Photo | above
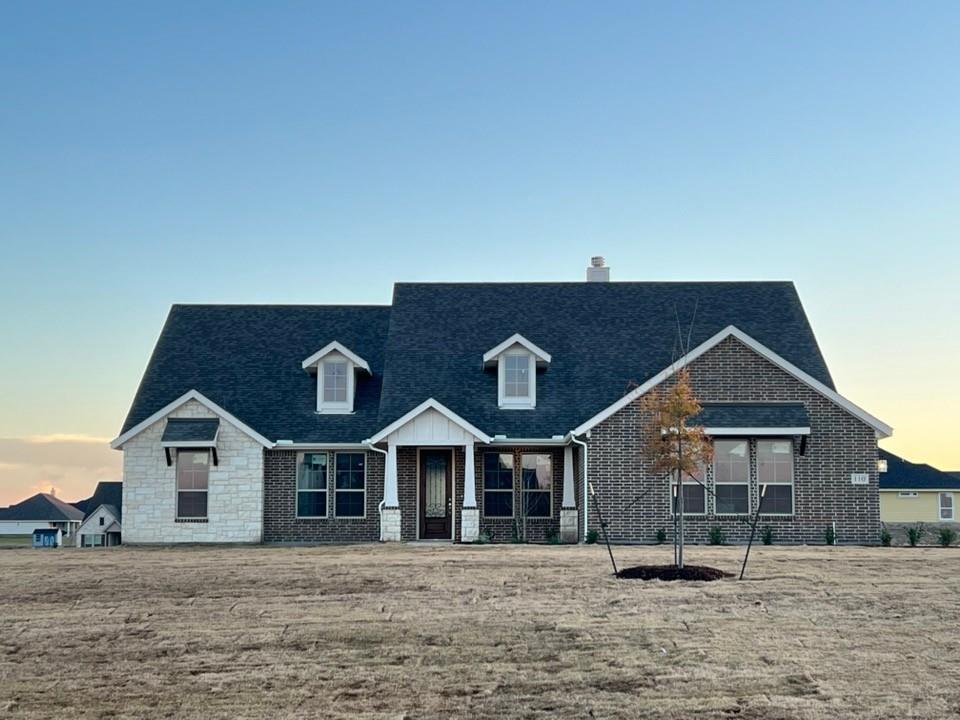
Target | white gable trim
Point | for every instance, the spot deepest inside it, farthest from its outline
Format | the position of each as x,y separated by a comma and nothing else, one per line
516,339
882,429
357,361
429,404
120,441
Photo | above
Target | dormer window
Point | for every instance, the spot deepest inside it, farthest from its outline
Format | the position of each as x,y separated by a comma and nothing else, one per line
516,359
336,367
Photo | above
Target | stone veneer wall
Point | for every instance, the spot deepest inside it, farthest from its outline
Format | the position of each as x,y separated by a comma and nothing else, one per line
234,502
280,521
839,444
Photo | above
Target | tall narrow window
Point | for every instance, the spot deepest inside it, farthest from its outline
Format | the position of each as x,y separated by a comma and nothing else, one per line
498,485
312,485
731,472
349,486
193,474
946,506
694,494
516,376
335,381
775,470
537,484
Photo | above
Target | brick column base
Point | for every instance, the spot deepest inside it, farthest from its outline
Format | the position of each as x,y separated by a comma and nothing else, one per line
569,525
390,525
469,524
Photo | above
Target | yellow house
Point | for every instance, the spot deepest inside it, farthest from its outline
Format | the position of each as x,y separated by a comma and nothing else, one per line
915,492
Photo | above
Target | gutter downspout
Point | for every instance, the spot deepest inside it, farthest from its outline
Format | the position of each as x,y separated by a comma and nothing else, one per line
585,494
367,444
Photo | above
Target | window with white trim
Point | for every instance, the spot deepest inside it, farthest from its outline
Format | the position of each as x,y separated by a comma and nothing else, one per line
517,380
908,494
497,485
312,485
193,475
694,494
536,473
731,475
775,470
349,493
334,388
946,506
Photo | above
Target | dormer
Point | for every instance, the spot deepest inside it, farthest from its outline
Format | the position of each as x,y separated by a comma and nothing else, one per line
516,360
336,367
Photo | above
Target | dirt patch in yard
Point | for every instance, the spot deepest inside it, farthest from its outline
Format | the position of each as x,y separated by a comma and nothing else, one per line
387,631
672,572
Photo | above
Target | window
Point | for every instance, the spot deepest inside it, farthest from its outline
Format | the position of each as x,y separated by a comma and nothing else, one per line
516,376
908,494
536,472
775,470
101,521
881,465
946,506
335,382
193,474
349,485
694,495
731,469
498,485
312,485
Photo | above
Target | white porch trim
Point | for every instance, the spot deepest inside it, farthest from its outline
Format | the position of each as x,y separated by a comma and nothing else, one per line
429,404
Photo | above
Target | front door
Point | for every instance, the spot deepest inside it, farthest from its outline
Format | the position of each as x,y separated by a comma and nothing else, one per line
436,495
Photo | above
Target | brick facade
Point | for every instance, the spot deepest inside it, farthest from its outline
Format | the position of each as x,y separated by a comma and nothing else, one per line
280,521
839,444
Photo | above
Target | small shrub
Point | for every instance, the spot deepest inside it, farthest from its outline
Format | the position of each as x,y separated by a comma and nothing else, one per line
485,537
914,534
661,536
592,537
553,536
947,536
830,535
886,539
717,536
766,536
515,536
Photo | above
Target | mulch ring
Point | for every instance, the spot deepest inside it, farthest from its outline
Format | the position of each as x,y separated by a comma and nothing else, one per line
672,572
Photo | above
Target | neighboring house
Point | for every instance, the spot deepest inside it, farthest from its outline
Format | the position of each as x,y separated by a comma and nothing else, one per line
47,537
916,492
102,516
469,408
43,510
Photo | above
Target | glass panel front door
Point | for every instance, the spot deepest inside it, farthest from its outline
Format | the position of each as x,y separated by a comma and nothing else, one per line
436,494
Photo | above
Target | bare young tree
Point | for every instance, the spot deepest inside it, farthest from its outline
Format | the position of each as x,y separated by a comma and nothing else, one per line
670,445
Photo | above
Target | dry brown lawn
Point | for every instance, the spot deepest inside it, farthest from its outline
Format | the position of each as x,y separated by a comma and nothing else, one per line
427,631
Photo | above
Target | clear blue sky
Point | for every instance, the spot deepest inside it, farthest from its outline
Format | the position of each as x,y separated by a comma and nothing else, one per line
316,152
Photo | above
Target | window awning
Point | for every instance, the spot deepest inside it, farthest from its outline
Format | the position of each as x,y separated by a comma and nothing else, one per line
753,419
190,433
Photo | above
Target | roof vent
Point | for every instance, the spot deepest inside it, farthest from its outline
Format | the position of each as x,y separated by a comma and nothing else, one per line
598,270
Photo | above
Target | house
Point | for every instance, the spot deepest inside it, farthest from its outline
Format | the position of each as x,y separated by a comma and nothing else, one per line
103,515
463,409
42,510
51,537
916,492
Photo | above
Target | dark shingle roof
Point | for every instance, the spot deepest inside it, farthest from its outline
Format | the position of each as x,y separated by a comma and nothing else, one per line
190,430
247,359
602,337
904,475
429,343
752,415
44,507
106,493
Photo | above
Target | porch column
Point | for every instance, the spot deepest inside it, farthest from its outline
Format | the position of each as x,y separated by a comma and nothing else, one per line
569,529
469,514
390,512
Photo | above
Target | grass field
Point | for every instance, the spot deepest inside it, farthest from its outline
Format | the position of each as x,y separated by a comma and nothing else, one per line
15,540
426,631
